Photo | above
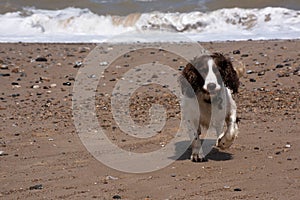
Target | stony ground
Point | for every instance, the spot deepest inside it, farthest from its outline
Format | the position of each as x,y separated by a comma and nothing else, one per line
42,156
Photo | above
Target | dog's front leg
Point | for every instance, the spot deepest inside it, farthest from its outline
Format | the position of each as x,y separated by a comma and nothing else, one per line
196,146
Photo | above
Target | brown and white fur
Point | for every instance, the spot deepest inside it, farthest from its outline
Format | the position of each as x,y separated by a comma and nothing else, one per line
211,79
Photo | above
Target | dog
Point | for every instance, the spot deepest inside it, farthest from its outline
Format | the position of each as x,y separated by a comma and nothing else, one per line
211,80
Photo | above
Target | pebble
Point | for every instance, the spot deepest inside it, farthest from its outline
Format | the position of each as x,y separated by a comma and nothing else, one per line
117,197
103,63
15,70
52,85
14,83
84,49
261,73
35,86
92,76
2,153
279,66
41,59
249,71
4,74
237,189
36,187
43,78
236,52
288,146
15,95
180,68
67,84
244,55
78,64
3,67
252,80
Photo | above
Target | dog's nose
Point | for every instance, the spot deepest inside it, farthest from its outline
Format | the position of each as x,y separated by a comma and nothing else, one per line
211,86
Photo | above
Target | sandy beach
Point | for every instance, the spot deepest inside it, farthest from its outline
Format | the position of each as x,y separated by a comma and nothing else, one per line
42,156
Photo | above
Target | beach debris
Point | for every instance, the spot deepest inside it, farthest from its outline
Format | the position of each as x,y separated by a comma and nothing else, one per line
41,59
236,52
36,187
111,178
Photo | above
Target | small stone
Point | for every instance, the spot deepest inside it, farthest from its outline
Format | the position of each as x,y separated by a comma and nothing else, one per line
67,84
237,189
180,68
43,78
2,153
113,79
35,86
103,63
92,76
52,85
15,95
261,73
36,187
236,52
117,197
78,64
3,67
41,59
256,148
244,55
279,66
4,75
14,83
252,80
173,175
249,71
287,146
15,70
226,187
84,49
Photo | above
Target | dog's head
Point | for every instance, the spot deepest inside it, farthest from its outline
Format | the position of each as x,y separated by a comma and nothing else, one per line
208,74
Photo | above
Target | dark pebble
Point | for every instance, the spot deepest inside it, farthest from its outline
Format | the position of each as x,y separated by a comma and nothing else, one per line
41,59
180,68
15,95
237,189
236,52
261,73
256,148
14,83
117,197
126,56
278,152
67,84
279,66
252,80
4,74
113,79
36,187
244,55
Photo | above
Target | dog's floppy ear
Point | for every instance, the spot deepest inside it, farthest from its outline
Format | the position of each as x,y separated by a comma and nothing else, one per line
190,80
229,75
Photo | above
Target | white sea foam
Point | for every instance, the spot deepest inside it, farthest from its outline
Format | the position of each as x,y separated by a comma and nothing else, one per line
81,25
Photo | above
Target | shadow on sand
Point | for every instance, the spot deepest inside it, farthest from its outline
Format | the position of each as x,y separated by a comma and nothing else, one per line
213,153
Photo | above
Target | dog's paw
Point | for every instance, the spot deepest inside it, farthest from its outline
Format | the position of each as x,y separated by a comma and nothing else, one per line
197,158
224,143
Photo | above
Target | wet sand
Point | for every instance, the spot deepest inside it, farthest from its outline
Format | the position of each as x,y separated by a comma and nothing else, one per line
42,157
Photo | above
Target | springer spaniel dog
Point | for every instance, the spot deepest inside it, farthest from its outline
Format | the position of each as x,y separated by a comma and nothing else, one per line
211,79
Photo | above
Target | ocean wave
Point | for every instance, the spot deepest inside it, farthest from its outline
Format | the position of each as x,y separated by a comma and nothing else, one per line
82,25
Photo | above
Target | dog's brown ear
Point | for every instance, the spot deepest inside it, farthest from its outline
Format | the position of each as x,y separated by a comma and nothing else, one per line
229,75
190,80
